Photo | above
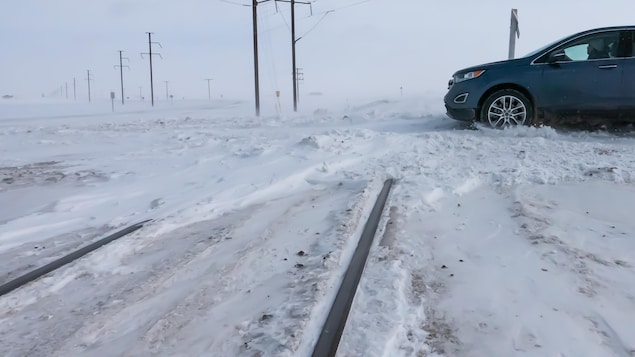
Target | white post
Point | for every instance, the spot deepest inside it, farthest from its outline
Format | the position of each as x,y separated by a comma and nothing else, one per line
514,32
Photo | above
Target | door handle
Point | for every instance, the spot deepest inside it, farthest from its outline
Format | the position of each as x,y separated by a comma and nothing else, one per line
607,66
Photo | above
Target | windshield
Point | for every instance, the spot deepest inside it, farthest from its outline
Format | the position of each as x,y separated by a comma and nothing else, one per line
544,47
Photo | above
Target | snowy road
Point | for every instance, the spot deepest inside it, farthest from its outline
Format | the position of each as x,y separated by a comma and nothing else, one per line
493,243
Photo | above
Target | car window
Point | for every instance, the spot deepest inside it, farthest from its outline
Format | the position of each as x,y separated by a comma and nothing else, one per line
577,52
593,47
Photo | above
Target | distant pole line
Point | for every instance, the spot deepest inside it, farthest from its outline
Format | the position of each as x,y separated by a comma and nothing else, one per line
167,97
150,55
88,79
209,91
121,66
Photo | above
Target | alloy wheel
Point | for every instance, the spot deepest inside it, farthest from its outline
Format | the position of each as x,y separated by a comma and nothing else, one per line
506,111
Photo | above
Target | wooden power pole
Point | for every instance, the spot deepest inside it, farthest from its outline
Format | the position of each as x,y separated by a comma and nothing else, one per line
255,24
150,54
294,40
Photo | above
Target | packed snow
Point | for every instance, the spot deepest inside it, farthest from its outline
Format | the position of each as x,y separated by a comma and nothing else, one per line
516,242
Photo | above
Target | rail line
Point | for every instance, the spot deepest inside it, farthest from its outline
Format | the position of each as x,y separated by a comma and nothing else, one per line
334,326
56,264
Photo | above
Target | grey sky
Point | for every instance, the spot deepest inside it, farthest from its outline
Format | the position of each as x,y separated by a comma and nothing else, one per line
371,49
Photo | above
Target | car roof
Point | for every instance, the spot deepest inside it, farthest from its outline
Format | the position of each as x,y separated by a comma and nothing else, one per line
610,28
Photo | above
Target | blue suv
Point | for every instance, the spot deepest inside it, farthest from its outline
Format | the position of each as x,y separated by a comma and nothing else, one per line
588,76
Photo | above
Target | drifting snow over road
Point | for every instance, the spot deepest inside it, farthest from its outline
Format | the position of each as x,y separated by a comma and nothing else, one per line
493,243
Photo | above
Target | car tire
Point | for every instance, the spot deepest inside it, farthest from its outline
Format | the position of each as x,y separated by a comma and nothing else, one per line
507,108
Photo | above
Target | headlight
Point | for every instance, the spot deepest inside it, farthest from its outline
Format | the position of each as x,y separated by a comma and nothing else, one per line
469,75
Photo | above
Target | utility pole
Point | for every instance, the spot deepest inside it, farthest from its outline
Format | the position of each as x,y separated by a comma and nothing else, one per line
150,55
514,32
74,90
254,11
88,79
255,25
140,93
293,42
167,97
209,91
295,72
121,66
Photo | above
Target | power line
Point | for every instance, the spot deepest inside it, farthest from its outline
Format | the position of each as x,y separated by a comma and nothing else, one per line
295,40
234,3
269,51
344,7
316,25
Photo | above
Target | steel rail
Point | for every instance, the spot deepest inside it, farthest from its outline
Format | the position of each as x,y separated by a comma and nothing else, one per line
334,326
39,272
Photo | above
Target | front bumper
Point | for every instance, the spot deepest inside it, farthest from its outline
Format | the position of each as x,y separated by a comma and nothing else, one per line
463,114
461,101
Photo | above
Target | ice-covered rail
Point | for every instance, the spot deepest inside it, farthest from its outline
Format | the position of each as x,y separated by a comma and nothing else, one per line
334,326
39,272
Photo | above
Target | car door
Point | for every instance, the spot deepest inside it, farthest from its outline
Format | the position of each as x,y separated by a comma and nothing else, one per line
583,78
628,77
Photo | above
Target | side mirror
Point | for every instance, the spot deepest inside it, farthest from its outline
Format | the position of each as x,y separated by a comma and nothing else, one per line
557,56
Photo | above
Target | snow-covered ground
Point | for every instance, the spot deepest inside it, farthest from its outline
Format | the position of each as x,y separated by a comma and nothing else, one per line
493,243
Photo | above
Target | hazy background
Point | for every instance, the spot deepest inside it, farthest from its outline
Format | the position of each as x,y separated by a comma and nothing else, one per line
362,49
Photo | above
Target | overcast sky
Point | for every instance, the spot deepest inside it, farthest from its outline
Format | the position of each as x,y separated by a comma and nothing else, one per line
369,49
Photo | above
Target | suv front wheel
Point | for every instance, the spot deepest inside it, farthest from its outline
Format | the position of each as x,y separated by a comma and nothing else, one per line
505,108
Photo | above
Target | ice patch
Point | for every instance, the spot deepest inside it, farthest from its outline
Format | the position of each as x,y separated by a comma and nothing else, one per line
467,186
61,283
432,197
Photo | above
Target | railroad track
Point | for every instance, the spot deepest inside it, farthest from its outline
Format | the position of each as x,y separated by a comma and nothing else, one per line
334,326
58,263
332,329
